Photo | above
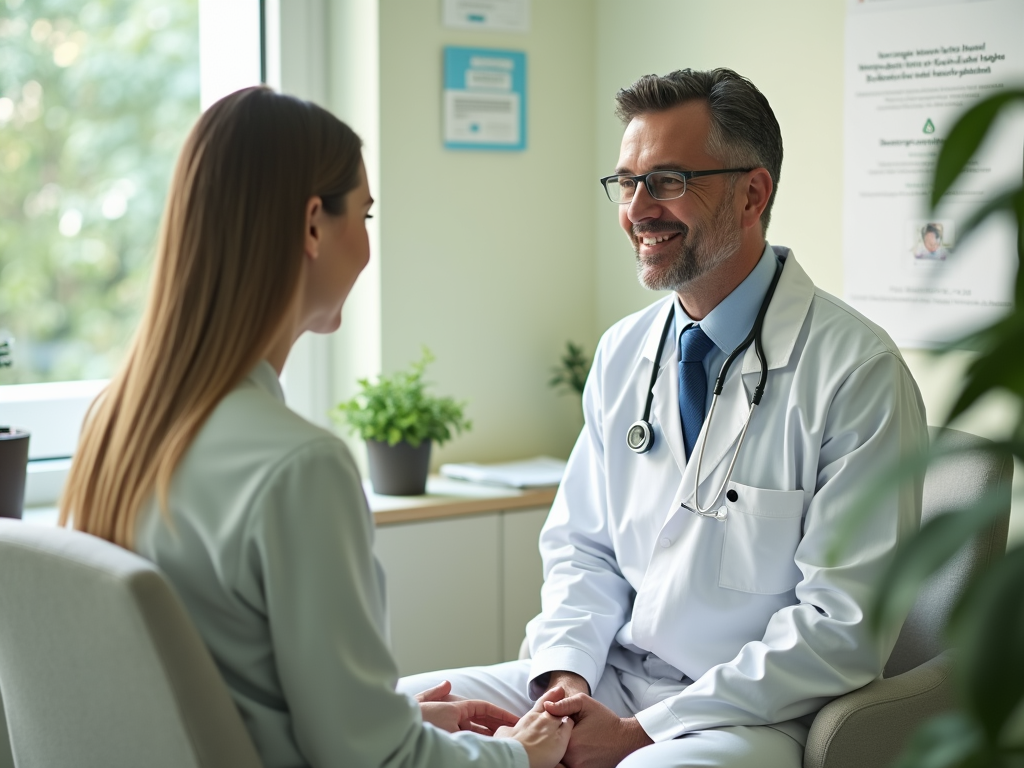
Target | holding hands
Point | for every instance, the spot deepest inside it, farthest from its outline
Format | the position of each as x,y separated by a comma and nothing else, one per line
544,736
454,713
601,738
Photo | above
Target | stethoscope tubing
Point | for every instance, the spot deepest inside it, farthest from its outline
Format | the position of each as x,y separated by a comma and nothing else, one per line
754,337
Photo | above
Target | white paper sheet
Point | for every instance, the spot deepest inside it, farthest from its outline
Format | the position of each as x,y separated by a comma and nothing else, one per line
532,473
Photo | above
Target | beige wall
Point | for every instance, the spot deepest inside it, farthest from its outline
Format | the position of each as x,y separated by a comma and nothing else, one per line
793,51
487,257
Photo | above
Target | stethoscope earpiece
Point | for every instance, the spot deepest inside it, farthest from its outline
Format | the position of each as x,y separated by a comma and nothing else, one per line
640,436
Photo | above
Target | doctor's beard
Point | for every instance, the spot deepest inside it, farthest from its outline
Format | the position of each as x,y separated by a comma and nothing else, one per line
700,250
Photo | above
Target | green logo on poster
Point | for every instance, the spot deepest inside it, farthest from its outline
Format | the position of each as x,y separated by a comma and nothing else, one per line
929,126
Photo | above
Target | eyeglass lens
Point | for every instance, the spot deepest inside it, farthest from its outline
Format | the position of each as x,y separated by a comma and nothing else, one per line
661,185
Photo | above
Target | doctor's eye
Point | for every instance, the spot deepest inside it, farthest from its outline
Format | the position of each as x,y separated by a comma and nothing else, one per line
667,183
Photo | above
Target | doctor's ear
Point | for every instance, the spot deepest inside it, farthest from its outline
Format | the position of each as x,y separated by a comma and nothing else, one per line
755,191
314,213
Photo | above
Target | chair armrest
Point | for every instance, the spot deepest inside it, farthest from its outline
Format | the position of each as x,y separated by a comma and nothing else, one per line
871,726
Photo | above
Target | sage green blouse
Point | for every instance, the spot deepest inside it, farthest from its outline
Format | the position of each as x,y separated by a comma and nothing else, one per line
269,543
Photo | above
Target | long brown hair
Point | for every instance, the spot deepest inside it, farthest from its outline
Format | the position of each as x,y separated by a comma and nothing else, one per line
224,280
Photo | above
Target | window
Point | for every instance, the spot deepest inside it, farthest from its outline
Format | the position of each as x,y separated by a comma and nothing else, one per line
96,99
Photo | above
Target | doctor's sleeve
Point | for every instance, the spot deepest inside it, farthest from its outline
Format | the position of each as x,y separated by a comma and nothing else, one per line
822,646
310,545
585,599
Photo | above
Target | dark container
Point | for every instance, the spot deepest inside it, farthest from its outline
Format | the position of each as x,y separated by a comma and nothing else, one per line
13,468
400,469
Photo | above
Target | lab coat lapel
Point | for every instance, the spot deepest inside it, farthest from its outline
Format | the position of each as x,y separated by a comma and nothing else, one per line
665,410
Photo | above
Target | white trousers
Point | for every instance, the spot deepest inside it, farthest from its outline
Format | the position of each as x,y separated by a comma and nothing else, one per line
626,692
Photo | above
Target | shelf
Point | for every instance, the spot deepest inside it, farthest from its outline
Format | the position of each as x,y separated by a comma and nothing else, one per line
444,498
451,498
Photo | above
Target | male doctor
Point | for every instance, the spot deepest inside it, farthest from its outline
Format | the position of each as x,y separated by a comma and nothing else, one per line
690,611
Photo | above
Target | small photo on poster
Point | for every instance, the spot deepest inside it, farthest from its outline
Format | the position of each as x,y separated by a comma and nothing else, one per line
931,240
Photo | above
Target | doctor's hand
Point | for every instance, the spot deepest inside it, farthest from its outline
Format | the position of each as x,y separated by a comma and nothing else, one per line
545,737
569,682
601,738
454,713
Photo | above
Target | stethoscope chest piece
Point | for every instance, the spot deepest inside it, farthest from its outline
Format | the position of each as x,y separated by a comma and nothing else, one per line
640,436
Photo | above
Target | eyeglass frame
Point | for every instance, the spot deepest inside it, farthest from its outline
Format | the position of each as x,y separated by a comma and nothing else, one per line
642,179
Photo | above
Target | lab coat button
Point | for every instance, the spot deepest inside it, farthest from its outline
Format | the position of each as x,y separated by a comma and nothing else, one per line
666,542
732,495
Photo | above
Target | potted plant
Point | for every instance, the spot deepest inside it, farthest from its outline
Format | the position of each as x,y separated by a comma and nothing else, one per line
13,453
570,375
400,422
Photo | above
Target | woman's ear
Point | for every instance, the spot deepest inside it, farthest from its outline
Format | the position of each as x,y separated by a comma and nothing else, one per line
314,212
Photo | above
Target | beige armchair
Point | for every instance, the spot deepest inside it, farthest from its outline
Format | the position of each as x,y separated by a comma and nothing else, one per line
100,667
870,726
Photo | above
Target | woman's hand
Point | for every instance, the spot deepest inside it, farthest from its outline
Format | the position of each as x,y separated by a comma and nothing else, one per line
544,736
454,713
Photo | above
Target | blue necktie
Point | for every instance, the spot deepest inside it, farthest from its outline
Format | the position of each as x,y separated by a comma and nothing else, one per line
694,345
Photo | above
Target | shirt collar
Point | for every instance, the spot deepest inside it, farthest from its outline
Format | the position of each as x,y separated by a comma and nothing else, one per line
265,377
728,324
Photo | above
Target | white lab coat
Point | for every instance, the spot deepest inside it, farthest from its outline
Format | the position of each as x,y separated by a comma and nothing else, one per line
747,607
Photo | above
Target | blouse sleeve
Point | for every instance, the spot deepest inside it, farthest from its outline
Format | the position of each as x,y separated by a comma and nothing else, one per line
311,541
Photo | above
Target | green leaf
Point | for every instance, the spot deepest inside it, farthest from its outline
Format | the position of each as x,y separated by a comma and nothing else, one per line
987,628
938,540
1000,366
965,138
948,741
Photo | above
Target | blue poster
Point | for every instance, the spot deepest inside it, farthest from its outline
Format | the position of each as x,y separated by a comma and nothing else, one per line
484,99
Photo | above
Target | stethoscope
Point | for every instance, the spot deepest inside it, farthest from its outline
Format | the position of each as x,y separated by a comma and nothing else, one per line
640,436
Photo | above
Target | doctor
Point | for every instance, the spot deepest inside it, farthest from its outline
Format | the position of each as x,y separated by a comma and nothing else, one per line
688,605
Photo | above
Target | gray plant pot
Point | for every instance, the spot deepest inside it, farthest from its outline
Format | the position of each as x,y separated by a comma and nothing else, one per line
400,469
13,468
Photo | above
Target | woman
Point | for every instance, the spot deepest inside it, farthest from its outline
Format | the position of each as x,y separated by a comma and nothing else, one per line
257,517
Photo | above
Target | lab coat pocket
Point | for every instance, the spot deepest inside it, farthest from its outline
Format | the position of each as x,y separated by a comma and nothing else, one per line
762,530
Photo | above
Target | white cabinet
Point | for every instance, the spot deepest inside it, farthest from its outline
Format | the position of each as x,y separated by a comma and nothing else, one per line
461,589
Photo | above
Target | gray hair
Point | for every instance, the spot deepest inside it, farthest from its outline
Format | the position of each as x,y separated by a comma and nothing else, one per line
744,132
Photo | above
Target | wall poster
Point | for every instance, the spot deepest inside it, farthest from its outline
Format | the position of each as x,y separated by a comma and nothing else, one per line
484,99
911,67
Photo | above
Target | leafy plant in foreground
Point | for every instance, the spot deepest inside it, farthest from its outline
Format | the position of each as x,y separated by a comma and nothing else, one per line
987,626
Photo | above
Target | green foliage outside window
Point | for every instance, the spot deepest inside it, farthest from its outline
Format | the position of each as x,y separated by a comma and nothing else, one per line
95,101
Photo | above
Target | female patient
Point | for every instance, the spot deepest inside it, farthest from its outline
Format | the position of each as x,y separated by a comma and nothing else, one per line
258,518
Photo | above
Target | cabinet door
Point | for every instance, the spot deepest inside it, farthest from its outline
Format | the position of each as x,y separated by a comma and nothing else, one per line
443,588
522,575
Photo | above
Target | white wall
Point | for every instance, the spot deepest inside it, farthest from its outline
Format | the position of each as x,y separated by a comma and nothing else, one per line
487,257
793,51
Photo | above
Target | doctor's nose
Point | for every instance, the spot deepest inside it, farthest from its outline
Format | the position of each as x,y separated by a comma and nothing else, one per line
642,206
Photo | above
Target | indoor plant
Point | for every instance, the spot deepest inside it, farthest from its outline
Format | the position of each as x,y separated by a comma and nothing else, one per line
399,422
987,627
13,454
570,375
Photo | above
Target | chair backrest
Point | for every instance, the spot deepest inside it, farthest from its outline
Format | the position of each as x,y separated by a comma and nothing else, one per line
99,663
952,483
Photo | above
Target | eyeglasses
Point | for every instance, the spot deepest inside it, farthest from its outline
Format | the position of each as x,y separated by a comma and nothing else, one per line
661,185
